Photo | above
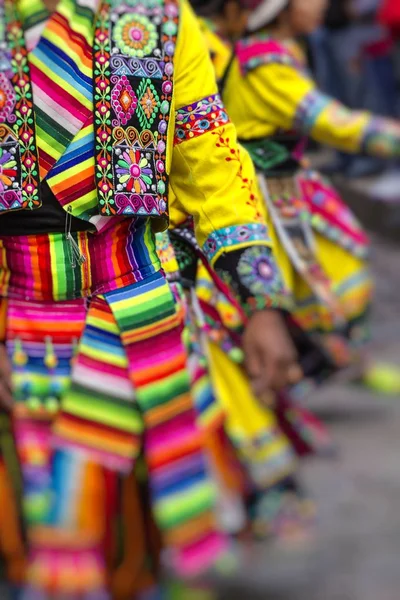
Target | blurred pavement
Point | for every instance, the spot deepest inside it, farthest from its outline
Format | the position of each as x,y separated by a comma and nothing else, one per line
357,552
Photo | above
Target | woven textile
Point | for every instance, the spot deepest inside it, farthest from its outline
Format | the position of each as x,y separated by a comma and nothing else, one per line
132,339
61,72
42,267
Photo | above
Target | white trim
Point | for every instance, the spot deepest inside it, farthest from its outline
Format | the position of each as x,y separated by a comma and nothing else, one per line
265,12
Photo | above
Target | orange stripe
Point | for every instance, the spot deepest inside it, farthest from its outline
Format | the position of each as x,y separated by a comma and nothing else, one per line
150,374
166,454
163,413
75,41
150,331
103,441
24,324
188,531
79,177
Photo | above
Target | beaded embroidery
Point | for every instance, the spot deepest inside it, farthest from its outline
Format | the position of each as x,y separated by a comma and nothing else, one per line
234,238
19,183
203,116
133,69
309,109
259,50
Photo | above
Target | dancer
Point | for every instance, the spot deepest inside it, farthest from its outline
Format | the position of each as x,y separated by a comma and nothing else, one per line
271,97
92,92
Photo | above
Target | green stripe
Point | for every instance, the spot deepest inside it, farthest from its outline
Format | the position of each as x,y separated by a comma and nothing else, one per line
150,243
159,393
181,507
82,404
51,132
75,277
152,311
59,255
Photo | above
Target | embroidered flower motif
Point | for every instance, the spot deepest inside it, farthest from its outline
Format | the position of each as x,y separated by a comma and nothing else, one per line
258,272
148,102
134,171
8,169
124,100
135,35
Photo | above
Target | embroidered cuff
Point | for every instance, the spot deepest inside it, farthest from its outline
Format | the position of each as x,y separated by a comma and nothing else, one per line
309,110
381,138
253,276
235,237
200,117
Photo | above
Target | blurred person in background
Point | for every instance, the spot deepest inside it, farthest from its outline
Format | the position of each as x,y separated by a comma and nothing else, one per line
353,62
92,364
276,106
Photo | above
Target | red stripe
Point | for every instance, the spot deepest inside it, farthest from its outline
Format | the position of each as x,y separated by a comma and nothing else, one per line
43,250
58,94
70,34
73,193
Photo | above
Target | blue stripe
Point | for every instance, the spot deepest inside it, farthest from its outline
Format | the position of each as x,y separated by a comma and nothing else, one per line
179,483
71,160
66,63
59,69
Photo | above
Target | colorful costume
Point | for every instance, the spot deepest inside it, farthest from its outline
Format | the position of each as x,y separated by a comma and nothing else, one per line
104,104
320,247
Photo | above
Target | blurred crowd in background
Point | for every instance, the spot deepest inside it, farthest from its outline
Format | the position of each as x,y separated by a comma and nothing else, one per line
355,57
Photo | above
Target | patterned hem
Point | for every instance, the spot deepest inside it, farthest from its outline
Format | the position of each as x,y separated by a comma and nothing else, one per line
251,272
231,238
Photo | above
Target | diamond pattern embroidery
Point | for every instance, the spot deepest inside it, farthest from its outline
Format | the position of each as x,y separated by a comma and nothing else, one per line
124,100
149,103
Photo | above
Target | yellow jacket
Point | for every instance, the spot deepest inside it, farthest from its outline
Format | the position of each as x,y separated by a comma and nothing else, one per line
268,88
213,179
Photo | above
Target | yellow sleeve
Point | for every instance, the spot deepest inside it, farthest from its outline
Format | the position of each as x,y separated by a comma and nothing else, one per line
211,177
291,100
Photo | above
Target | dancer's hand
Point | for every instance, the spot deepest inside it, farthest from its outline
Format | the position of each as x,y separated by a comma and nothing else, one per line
270,356
6,399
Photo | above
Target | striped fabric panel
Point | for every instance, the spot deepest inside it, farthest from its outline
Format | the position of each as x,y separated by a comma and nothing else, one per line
41,340
33,15
183,496
62,492
72,178
99,411
61,72
39,267
144,317
210,415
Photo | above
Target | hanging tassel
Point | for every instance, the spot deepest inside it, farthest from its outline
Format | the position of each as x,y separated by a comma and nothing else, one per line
19,358
50,358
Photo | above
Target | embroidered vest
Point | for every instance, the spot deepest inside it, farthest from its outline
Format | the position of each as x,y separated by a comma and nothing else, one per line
133,50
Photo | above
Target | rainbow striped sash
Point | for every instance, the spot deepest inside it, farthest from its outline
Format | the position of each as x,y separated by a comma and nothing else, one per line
62,79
